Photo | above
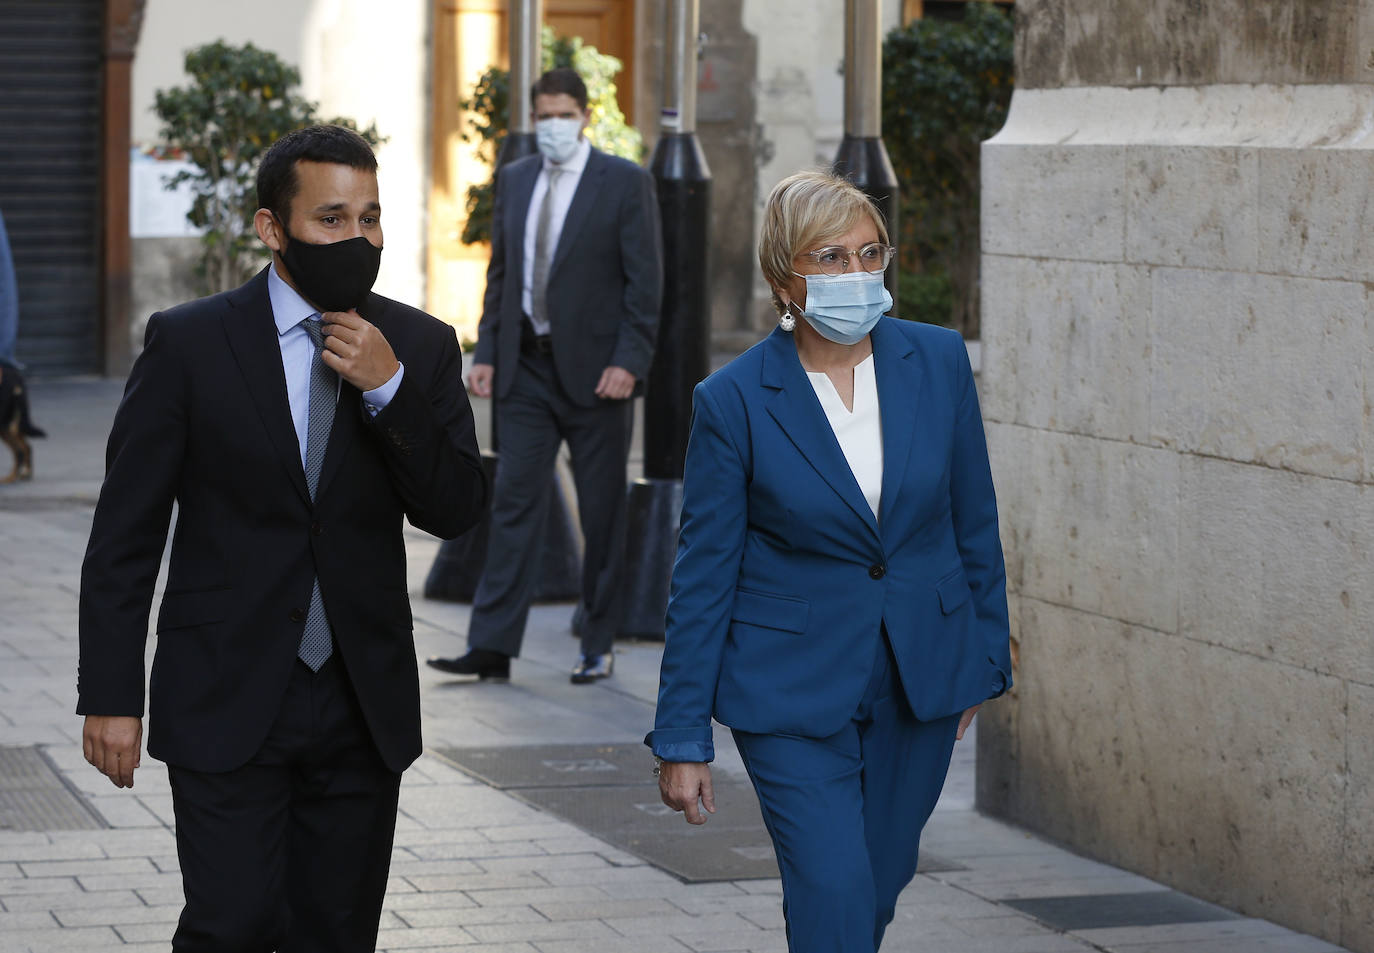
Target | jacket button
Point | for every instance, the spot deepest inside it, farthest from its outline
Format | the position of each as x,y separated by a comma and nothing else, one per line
296,615
316,529
877,571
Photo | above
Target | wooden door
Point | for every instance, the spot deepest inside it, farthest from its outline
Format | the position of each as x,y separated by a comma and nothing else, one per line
940,9
469,37
608,25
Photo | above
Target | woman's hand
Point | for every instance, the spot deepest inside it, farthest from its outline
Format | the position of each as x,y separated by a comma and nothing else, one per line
682,783
965,720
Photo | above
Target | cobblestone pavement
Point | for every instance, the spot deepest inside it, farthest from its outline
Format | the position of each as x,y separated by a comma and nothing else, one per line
475,867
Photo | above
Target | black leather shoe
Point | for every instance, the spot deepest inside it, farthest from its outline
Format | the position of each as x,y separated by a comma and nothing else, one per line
589,668
487,665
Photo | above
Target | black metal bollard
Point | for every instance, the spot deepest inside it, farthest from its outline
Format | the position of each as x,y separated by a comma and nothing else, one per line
681,360
862,157
864,161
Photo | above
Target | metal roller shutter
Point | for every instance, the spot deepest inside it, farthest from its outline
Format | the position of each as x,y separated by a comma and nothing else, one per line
50,142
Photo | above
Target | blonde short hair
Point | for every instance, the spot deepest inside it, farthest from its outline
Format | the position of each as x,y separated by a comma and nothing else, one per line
806,209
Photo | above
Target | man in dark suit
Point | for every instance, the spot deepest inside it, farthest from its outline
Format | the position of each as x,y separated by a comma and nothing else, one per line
567,334
295,421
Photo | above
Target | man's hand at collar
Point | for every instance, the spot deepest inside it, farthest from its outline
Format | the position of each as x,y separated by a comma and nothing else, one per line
357,351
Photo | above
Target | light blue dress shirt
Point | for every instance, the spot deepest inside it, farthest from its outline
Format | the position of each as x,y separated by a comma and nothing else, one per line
289,309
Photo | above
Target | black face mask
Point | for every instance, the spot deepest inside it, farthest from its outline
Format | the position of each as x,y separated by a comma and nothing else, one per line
333,277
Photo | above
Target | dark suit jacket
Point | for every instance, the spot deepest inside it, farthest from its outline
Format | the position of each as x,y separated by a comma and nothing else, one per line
205,423
605,280
784,577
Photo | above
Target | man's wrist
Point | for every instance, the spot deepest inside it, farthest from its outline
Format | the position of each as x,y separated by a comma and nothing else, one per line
376,399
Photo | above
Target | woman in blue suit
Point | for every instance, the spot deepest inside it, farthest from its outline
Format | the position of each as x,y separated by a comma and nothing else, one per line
839,596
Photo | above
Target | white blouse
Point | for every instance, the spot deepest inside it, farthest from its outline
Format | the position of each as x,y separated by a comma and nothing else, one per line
859,432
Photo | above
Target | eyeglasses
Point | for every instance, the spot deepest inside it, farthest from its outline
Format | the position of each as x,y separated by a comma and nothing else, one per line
834,259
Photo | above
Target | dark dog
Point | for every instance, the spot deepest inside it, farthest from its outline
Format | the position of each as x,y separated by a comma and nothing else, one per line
15,425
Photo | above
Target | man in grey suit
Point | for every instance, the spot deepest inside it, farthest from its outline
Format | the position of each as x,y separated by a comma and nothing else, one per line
568,327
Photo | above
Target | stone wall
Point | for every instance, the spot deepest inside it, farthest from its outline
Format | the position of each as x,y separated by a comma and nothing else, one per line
164,275
1190,42
1178,237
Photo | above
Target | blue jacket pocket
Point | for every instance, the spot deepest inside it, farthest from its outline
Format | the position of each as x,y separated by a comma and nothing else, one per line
953,591
773,612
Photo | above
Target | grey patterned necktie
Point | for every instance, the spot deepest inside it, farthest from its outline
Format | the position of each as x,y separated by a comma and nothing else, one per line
317,643
543,252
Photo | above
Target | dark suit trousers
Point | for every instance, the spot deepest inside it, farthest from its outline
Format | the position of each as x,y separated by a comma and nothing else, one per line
289,852
532,420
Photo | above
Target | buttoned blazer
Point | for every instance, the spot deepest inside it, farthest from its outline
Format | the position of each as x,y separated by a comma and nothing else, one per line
605,278
205,423
784,577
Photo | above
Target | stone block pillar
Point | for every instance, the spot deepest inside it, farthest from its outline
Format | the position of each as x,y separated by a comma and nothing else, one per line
1178,376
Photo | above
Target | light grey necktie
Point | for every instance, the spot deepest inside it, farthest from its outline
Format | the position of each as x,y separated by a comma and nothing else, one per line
317,643
543,252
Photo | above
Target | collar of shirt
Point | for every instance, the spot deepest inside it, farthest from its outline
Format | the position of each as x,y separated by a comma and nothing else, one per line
289,309
576,162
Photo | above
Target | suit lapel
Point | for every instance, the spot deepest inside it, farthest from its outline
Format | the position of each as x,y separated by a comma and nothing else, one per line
524,176
799,413
899,380
253,340
588,187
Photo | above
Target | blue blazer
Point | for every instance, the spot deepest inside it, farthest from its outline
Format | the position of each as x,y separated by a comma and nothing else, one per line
783,577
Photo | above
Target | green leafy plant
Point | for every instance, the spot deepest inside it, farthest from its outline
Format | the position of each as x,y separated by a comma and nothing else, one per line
926,296
946,87
488,108
240,100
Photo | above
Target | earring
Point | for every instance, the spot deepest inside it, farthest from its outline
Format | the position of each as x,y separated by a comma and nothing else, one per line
786,321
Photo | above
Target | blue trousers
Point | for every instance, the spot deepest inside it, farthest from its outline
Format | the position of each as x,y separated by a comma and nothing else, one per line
846,813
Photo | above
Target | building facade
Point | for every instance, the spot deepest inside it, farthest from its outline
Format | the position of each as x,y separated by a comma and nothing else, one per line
770,101
1177,361
64,100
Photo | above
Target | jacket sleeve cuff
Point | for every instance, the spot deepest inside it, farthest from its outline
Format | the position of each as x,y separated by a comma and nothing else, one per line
682,744
1001,684
633,357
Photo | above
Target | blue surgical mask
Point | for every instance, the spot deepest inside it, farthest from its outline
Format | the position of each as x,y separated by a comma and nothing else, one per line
843,308
557,137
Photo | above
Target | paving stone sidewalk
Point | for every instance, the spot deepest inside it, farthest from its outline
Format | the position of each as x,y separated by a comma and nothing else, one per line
476,868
